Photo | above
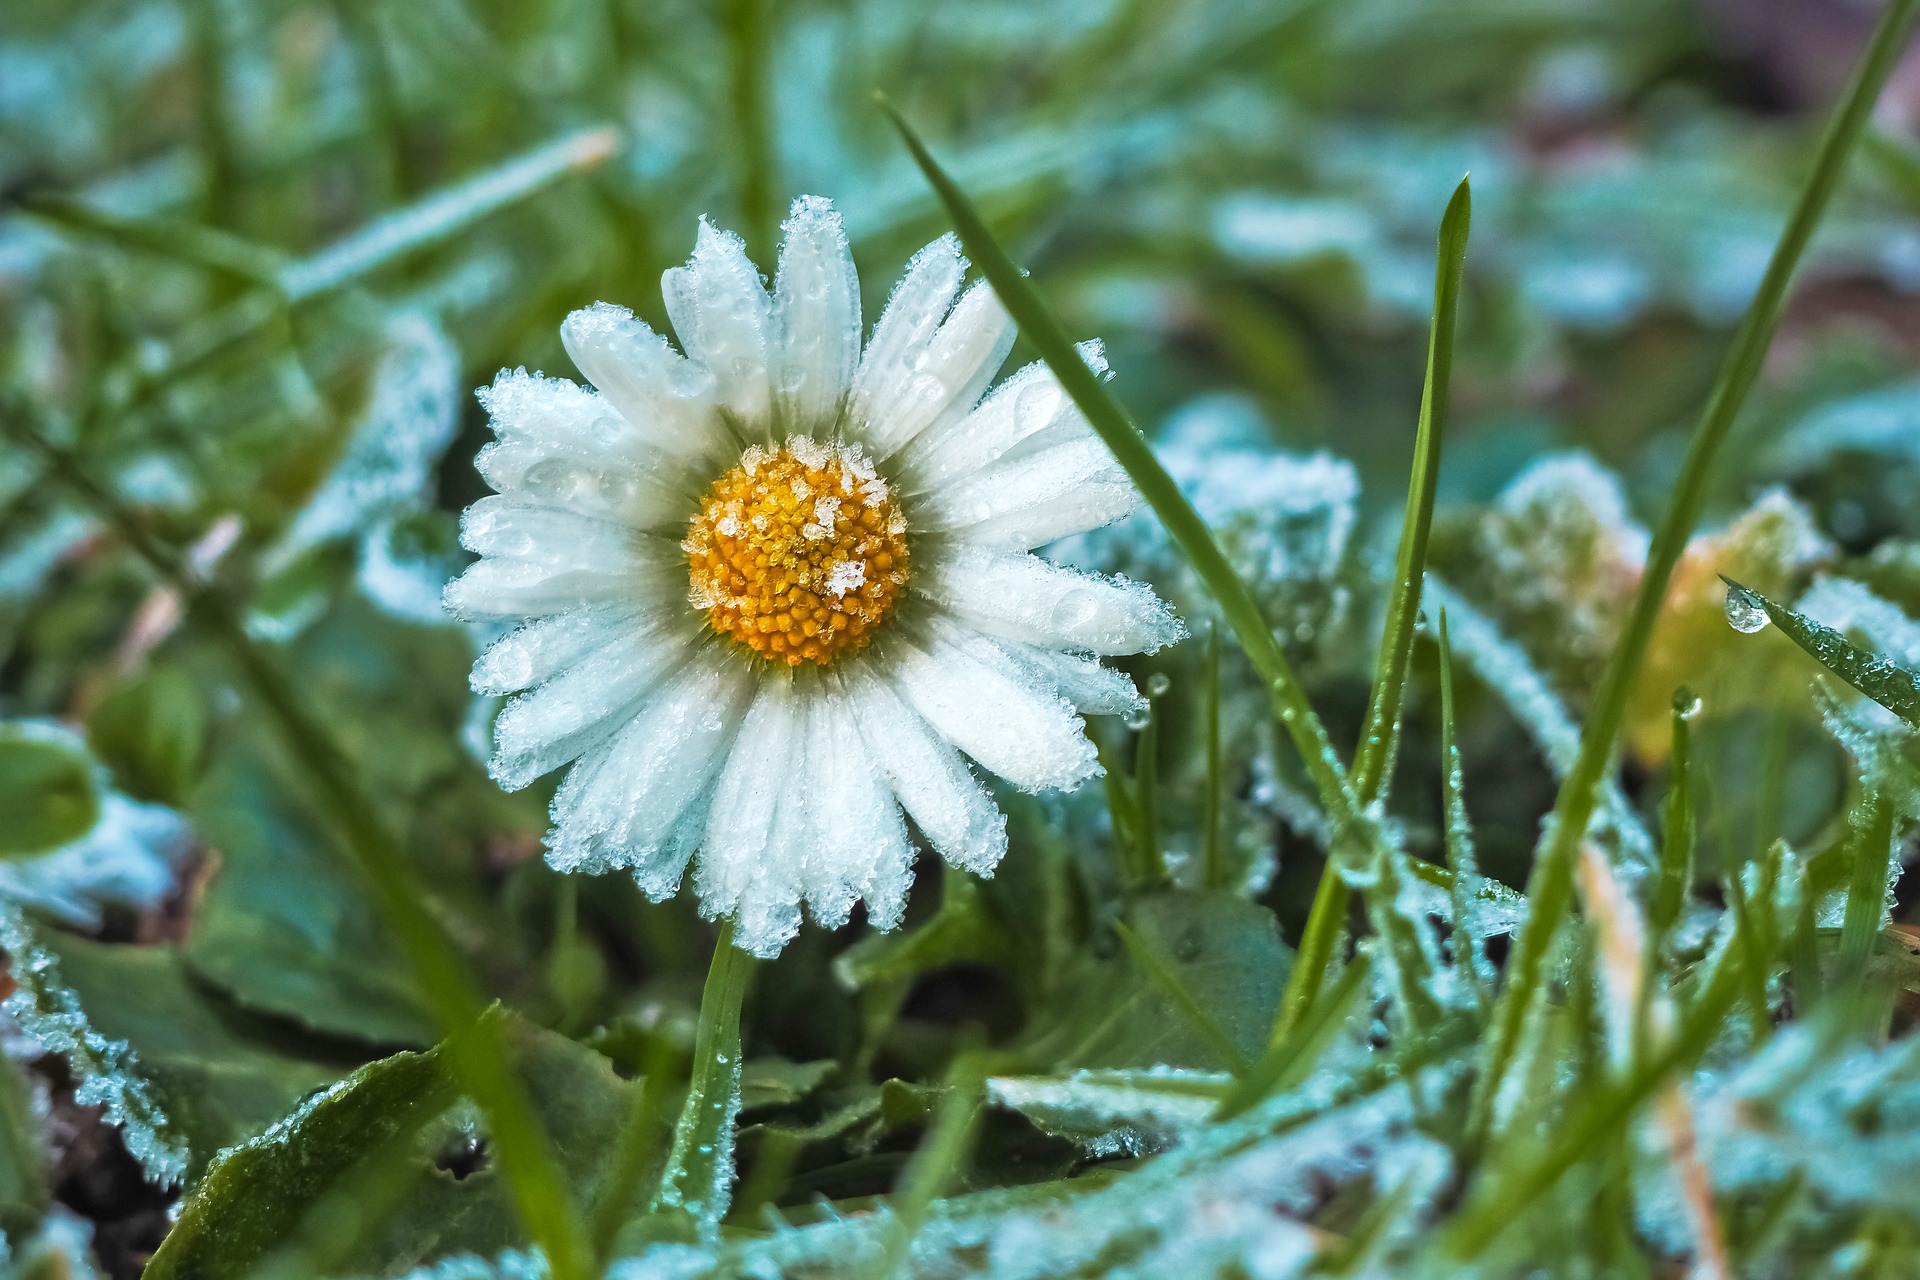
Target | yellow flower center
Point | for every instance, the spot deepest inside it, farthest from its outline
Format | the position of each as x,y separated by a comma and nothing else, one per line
799,552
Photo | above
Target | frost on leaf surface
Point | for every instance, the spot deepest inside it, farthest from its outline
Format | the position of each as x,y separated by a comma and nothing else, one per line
106,1071
1114,1112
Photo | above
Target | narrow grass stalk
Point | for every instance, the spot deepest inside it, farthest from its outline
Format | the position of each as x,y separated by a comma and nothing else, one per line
1550,886
476,1045
1161,975
1867,890
1374,759
746,29
1213,870
639,1139
188,242
1146,790
698,1178
1469,948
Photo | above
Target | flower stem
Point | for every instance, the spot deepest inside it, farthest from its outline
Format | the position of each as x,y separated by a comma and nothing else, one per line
698,1179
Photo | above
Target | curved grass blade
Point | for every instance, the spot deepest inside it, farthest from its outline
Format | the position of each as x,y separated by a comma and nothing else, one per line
1374,759
1879,677
1550,887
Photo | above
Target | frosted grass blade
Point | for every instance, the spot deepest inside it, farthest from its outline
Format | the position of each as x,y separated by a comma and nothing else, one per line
1374,760
698,1179
1550,887
1879,677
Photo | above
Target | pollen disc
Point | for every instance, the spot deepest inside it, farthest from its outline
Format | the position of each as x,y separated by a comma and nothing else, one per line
798,552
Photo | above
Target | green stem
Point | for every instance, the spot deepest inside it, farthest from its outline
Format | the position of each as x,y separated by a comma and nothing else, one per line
476,1046
1550,886
1146,788
1213,857
698,1179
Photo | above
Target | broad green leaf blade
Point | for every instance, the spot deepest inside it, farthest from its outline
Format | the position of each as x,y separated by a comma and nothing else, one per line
256,1195
1879,677
1289,1059
152,732
1161,974
47,792
1550,887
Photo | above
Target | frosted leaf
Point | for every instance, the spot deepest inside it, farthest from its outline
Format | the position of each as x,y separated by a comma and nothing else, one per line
512,1264
1114,1112
129,858
33,554
405,565
62,1246
1849,606
107,1072
395,443
1885,421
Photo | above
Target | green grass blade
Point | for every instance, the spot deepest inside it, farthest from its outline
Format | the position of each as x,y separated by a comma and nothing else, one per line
1867,890
698,1179
938,1158
1289,1061
1213,856
1470,950
1162,976
1146,790
1679,834
188,242
1375,756
476,1045
1550,886
1879,677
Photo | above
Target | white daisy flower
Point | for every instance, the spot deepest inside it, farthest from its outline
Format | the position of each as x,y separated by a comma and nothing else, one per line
779,589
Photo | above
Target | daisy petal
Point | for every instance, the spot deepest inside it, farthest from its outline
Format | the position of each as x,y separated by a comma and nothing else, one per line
1093,690
928,777
504,528
719,310
579,708
736,856
663,398
625,805
974,697
1035,499
540,650
859,841
1028,406
631,487
947,377
1022,597
909,323
515,589
816,318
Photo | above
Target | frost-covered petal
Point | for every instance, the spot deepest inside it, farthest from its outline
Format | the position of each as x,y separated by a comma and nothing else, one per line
1093,689
624,805
739,854
945,380
816,318
977,699
515,589
541,649
1032,500
1022,597
581,707
504,528
858,838
720,311
636,487
906,327
928,777
664,399
1027,410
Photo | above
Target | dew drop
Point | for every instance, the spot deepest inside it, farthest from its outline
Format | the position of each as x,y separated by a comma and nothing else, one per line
1157,684
1686,703
1744,611
1137,718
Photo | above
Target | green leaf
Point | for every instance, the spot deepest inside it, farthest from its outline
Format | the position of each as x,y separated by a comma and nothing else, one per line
47,792
219,1075
1874,674
1114,1112
152,732
1223,950
24,1192
256,1195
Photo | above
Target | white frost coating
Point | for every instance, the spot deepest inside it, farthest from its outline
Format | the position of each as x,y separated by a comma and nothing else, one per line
816,318
624,805
129,857
1849,606
1028,501
107,1072
511,1264
1022,597
1115,1112
656,392
1028,409
540,650
1017,728
580,708
740,872
409,420
948,377
928,777
1884,421
788,783
912,317
721,313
